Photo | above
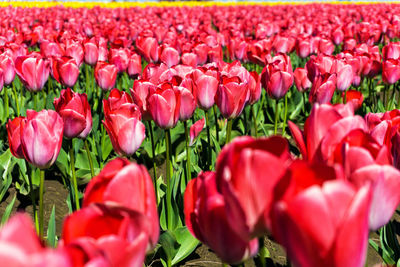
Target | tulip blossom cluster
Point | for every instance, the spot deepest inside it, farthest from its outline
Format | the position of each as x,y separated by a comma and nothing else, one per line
116,226
140,74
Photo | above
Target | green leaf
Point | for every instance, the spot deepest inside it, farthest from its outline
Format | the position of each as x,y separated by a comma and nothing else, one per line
106,147
51,229
8,210
169,245
187,243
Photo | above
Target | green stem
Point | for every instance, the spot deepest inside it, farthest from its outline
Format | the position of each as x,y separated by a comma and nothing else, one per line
285,116
74,183
254,121
188,171
89,158
6,102
168,180
41,189
35,100
276,116
208,140
16,98
33,198
216,121
153,158
88,81
228,131
304,103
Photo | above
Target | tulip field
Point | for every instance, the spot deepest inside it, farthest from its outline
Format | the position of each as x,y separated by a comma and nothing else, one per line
199,134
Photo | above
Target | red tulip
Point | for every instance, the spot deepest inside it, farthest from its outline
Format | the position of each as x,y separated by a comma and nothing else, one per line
207,219
304,48
195,130
301,80
135,65
232,95
246,181
140,92
106,75
33,71
120,233
337,36
75,111
324,129
65,71
128,185
205,86
277,76
51,49
164,106
122,122
355,97
91,52
148,47
309,199
41,137
7,65
14,136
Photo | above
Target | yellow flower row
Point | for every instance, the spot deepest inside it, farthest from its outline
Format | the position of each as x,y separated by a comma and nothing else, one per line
162,4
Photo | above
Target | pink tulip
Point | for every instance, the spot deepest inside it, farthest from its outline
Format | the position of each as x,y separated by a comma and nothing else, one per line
239,176
105,75
91,52
123,125
75,111
188,103
33,71
207,219
7,65
391,71
323,88
140,92
344,74
135,65
75,50
189,59
20,246
169,56
128,185
195,130
65,71
148,48
164,106
391,51
277,76
41,137
384,182
120,58
205,86
301,80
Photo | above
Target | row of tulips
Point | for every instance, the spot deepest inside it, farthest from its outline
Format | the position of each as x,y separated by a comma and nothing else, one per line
118,72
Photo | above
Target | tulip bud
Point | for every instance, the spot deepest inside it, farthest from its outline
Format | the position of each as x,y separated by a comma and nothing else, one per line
14,136
128,185
33,71
41,137
65,71
105,75
75,111
208,220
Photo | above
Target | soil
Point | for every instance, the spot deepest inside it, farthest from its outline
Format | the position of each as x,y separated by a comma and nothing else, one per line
56,194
